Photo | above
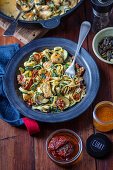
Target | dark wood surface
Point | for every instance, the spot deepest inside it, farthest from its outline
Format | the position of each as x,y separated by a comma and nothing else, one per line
19,151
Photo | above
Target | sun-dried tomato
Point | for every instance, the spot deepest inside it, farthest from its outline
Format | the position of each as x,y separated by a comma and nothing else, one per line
66,150
61,148
21,79
77,65
60,103
37,57
30,102
35,73
27,86
76,96
57,142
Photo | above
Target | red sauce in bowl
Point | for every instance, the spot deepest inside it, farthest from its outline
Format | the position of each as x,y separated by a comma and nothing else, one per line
64,147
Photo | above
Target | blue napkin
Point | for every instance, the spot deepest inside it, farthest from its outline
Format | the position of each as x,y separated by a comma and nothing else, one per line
7,112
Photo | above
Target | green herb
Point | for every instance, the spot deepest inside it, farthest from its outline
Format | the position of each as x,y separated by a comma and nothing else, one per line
38,93
52,6
56,109
49,109
66,8
58,94
29,68
54,15
52,9
45,59
52,66
37,67
36,17
7,2
43,76
67,65
63,83
31,1
51,99
31,58
42,2
54,74
35,85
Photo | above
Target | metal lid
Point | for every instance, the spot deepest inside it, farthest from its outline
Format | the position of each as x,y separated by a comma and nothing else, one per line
98,145
102,6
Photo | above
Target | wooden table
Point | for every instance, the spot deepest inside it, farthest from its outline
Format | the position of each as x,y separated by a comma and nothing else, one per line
19,151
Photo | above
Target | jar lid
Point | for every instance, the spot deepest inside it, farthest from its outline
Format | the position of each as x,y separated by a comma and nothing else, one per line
98,145
102,6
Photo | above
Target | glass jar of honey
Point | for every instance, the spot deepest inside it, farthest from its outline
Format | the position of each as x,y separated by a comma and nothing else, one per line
103,116
64,147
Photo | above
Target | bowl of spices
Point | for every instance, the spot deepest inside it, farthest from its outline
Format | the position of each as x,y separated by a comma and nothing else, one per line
64,147
103,45
103,116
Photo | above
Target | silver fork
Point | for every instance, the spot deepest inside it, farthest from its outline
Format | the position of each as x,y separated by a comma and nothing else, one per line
84,29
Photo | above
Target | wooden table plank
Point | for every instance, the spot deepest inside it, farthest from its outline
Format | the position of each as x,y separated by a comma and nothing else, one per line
105,93
25,32
16,154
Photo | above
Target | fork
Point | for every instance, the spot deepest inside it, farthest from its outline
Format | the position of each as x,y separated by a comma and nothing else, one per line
84,29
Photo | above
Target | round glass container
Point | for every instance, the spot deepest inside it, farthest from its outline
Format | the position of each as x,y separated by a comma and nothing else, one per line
103,116
101,14
73,137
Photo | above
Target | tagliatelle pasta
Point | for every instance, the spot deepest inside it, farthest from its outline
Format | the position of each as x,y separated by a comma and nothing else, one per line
44,85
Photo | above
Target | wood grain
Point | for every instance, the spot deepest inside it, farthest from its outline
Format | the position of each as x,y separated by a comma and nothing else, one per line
25,32
23,152
105,94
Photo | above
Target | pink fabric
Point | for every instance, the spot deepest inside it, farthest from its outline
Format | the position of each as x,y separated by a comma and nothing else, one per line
31,125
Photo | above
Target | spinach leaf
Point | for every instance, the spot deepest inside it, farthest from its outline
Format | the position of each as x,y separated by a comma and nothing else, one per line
43,76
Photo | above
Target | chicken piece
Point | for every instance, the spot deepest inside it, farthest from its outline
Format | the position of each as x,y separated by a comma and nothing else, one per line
73,3
44,11
21,79
47,90
36,1
37,57
56,58
47,65
57,2
26,97
29,16
42,70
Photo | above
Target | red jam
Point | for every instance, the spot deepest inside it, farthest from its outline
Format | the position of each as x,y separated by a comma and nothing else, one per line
63,147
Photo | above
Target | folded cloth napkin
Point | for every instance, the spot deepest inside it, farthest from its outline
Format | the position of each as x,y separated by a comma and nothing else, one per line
7,112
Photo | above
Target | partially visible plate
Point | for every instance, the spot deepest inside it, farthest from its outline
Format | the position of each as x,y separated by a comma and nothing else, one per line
91,77
49,23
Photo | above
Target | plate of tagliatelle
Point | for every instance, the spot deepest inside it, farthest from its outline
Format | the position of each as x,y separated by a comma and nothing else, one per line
35,83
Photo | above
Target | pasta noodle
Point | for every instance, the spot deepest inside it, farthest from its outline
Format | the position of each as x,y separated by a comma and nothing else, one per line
44,85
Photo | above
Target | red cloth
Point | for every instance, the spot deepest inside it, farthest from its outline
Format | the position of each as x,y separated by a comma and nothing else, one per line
31,125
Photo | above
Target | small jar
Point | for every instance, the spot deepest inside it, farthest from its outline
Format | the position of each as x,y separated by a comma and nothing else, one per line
60,148
101,14
103,116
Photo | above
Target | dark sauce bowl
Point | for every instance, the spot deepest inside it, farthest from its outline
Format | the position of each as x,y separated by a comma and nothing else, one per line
107,32
73,137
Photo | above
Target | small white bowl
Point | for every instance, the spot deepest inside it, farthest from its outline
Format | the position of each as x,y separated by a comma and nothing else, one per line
98,37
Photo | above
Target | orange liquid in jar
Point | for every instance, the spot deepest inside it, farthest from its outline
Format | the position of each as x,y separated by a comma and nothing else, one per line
103,119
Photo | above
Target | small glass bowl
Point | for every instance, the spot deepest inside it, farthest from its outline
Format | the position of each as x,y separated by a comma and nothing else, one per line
71,134
101,125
